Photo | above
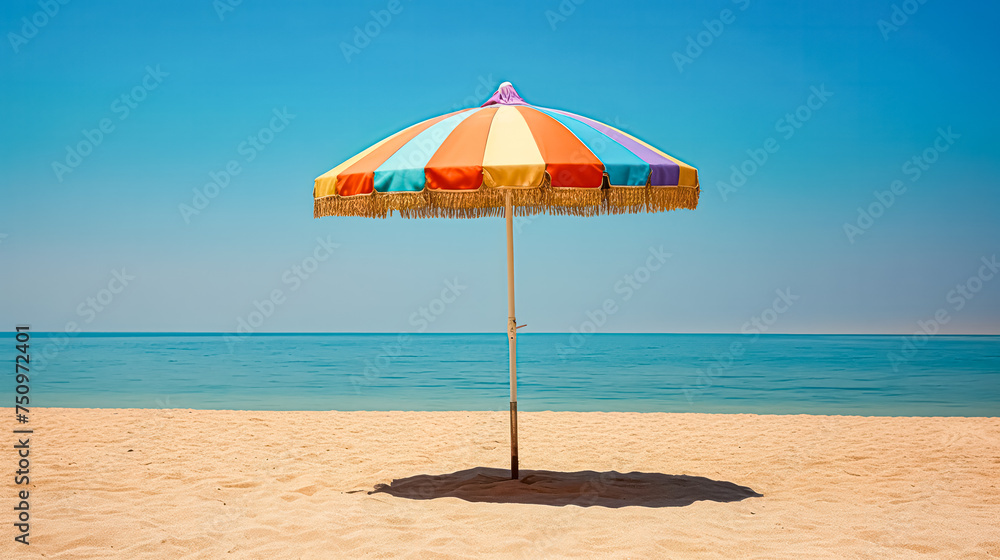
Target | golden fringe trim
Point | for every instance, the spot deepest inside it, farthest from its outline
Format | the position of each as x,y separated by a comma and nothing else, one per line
626,200
569,201
659,199
489,201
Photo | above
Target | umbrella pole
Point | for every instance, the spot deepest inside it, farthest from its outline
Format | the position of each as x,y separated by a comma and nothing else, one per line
511,334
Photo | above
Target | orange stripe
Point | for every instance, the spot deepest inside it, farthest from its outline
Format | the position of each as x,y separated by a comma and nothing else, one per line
360,177
458,162
568,162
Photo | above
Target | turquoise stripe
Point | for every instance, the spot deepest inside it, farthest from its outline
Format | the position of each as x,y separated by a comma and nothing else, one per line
622,166
404,170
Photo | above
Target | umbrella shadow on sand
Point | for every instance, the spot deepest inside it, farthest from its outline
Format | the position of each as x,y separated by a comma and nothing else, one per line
584,488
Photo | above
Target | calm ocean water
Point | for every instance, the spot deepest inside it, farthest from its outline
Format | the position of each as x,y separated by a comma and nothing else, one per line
868,375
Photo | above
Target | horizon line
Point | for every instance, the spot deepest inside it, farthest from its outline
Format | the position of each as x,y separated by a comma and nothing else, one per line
501,333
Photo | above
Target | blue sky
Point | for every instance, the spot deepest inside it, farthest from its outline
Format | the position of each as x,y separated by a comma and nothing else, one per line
104,244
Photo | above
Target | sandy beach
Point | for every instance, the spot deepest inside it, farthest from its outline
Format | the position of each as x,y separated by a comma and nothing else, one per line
128,483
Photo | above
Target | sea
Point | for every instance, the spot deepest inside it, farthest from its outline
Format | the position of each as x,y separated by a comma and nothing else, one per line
713,373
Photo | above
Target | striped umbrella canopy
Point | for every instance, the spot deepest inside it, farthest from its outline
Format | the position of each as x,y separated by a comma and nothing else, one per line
464,164
507,157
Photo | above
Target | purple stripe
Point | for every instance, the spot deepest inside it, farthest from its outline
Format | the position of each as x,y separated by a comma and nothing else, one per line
662,171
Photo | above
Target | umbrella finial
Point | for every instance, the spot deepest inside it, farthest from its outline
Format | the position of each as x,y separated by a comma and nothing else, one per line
505,95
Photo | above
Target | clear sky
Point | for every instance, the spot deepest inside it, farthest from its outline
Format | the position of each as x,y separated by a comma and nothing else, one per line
91,229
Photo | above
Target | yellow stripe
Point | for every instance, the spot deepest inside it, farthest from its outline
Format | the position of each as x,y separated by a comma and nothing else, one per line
511,158
326,184
688,175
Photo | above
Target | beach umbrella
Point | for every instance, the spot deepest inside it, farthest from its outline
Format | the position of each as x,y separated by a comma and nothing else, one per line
510,158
